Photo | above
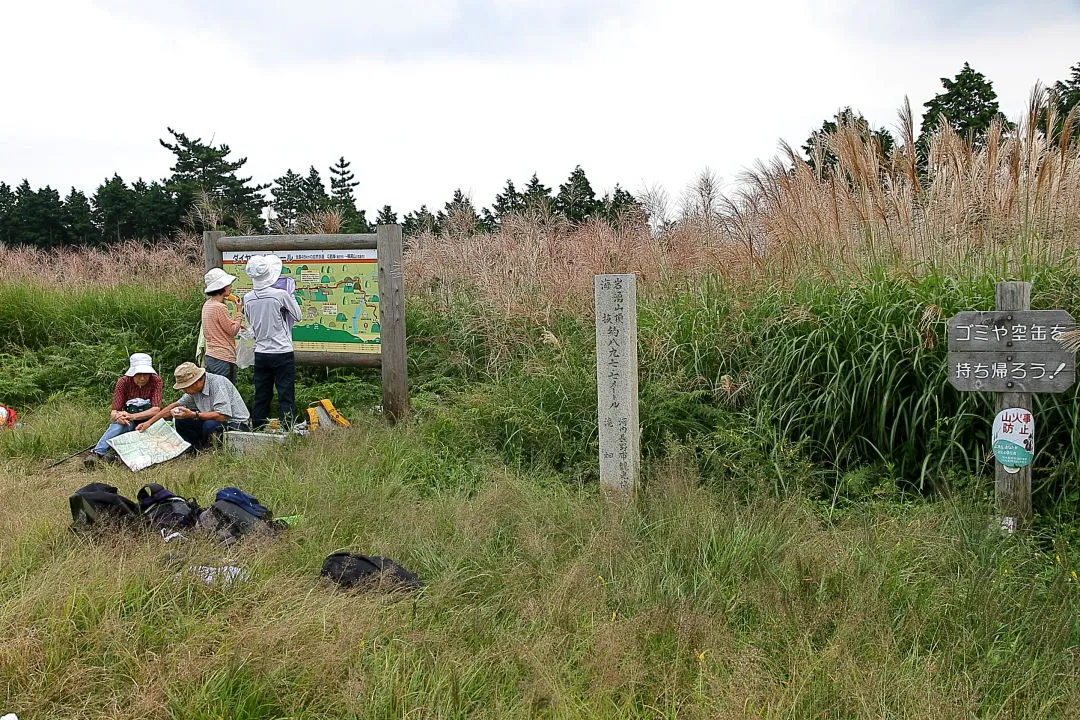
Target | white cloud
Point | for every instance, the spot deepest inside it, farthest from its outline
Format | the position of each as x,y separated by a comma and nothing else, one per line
650,95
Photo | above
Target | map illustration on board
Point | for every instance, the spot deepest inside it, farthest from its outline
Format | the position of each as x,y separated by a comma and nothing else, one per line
338,294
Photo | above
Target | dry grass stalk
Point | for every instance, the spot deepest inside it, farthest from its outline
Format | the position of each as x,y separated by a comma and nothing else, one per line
1010,200
173,265
320,222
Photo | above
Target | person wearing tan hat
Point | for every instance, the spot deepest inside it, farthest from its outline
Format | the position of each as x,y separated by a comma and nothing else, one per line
218,326
210,405
136,397
270,311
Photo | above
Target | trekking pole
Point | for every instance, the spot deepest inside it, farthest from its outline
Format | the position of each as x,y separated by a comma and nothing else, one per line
65,459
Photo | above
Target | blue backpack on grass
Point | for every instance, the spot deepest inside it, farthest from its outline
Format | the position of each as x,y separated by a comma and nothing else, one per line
234,513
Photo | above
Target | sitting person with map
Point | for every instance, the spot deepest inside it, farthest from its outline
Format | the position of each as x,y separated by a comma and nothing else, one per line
136,397
210,405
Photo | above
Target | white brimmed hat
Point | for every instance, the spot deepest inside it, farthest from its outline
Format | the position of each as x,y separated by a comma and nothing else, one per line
264,271
217,279
140,363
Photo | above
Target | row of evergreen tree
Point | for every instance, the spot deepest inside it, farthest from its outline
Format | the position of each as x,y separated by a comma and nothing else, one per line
204,172
118,211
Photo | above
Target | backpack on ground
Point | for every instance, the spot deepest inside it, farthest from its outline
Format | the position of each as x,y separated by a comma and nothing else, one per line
350,570
322,415
100,504
234,513
166,510
8,418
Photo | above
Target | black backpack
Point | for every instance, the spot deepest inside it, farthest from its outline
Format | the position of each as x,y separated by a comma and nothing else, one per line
350,570
164,509
234,514
100,504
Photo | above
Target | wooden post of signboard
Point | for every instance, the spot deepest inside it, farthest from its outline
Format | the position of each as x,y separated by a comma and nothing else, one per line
1012,352
1012,491
395,377
211,254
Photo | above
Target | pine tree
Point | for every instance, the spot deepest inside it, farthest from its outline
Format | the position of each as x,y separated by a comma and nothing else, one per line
288,193
509,201
576,199
342,182
536,196
37,217
458,216
155,213
206,167
314,193
78,219
816,144
419,222
969,104
114,210
487,222
386,216
1066,95
620,206
357,222
7,209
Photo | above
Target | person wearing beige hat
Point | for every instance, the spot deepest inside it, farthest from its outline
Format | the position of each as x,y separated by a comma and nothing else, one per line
136,397
210,405
218,326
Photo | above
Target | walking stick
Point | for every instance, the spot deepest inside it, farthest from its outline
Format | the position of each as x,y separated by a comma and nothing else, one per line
65,459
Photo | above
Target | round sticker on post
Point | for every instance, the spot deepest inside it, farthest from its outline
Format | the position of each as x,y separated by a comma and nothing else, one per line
1014,438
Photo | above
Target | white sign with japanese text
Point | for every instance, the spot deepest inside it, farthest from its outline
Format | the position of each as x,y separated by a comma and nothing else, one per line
1013,438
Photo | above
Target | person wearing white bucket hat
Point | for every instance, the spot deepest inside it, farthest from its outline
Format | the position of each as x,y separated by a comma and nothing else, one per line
219,328
269,310
136,397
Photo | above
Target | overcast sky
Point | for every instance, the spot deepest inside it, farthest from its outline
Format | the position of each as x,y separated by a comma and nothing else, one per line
424,96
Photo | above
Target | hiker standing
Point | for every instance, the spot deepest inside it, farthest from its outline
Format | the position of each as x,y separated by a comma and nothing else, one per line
136,397
219,328
209,405
270,312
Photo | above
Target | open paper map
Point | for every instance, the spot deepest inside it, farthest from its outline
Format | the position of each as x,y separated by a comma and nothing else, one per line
156,444
338,294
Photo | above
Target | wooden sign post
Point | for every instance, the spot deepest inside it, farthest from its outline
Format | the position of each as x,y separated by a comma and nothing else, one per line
617,381
1011,352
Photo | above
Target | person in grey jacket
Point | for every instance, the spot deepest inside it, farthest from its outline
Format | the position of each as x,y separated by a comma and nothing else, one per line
270,313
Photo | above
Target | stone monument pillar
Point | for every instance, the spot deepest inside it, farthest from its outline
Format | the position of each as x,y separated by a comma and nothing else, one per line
617,381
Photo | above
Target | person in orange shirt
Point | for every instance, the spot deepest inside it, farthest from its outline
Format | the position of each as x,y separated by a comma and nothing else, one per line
219,327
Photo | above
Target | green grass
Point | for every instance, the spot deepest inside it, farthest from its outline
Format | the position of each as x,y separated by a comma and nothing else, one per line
811,541
850,372
543,598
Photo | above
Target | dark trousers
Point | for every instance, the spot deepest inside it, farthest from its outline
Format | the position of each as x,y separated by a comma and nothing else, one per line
224,368
273,370
200,433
